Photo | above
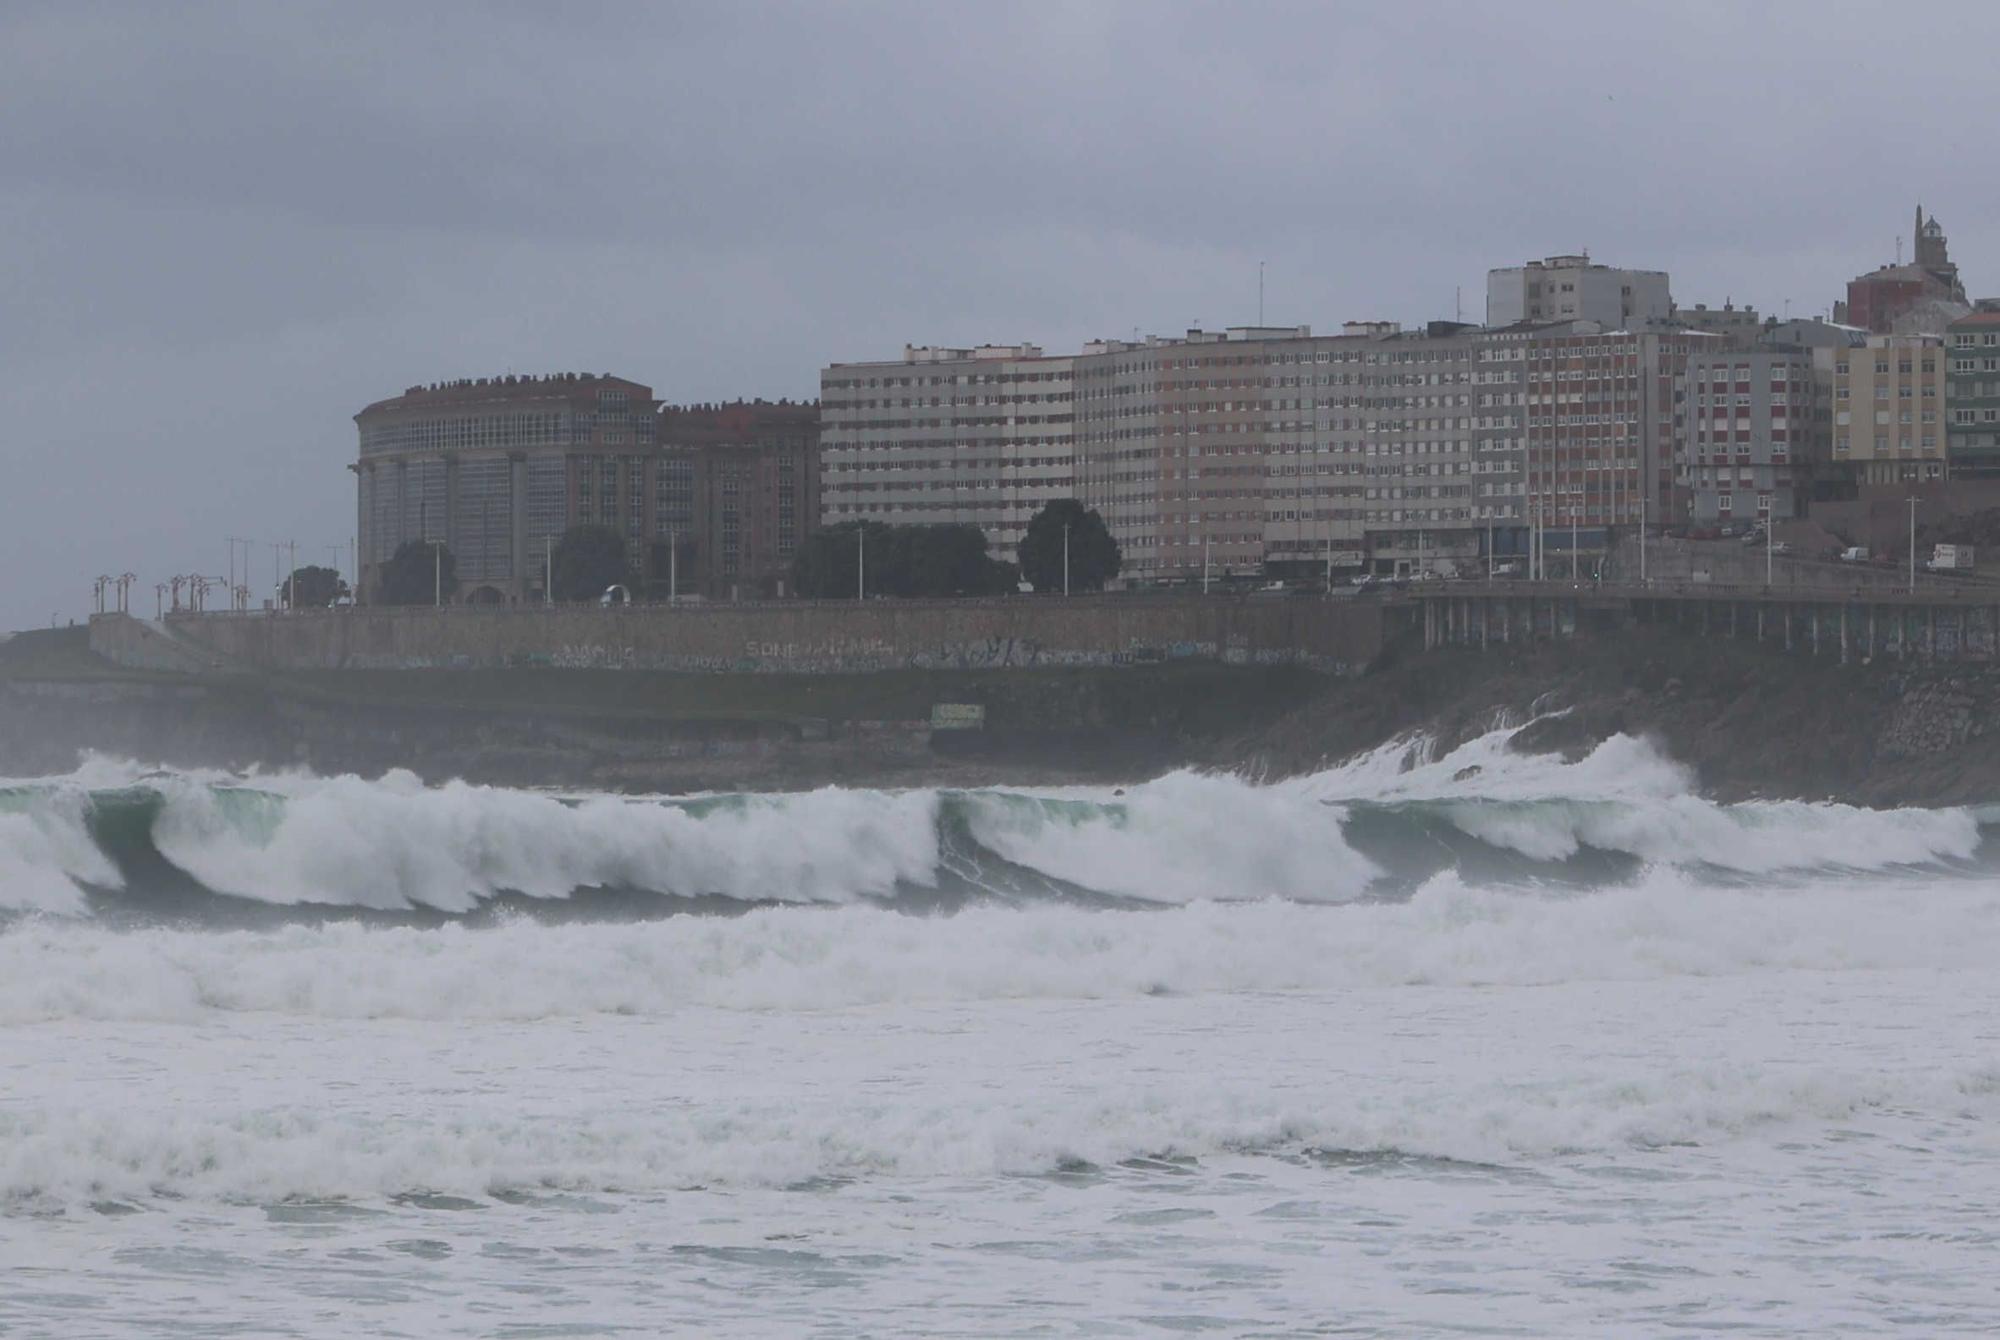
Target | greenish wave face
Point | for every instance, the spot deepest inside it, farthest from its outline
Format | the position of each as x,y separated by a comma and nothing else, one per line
202,852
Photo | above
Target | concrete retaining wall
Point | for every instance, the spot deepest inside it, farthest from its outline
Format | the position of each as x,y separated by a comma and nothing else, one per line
784,638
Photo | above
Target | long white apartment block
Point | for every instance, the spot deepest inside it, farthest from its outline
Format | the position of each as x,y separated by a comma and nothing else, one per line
981,435
1234,452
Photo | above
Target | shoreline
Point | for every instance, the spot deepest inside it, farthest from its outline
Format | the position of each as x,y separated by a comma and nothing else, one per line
1746,719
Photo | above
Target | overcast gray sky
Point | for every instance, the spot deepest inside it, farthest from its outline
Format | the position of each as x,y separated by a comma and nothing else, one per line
227,227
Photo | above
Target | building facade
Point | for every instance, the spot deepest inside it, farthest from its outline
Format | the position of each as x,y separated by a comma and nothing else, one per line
1920,298
982,436
735,490
1262,451
1740,324
1748,426
1972,395
1600,426
1887,400
1571,288
496,468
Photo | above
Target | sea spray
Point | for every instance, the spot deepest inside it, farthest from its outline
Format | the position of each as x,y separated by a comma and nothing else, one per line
1663,926
1378,826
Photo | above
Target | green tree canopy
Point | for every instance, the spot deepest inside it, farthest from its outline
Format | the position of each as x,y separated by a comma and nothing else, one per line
312,587
946,560
1093,555
587,560
414,574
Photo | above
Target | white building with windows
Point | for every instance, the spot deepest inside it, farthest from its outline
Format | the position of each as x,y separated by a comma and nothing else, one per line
980,435
1572,288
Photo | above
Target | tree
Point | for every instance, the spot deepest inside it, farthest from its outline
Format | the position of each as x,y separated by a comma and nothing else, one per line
312,587
930,561
824,566
416,572
950,560
587,560
1093,555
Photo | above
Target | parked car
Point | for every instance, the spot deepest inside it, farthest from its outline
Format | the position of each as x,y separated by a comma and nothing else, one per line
1854,554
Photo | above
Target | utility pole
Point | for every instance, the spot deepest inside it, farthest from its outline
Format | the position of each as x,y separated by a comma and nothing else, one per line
860,562
1260,293
1572,543
548,569
1913,543
1065,559
1642,534
1770,525
673,565
1204,564
437,574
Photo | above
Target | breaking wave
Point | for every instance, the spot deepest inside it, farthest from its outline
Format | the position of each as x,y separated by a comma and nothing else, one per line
1449,933
188,847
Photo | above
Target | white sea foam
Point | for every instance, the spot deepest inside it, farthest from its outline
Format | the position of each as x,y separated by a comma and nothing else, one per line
1183,837
803,958
69,1156
45,851
1625,796
394,843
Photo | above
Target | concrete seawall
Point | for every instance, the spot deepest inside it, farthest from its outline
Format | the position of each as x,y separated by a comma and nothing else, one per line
778,638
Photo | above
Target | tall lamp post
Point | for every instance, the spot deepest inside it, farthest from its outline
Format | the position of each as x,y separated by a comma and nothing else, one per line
1913,543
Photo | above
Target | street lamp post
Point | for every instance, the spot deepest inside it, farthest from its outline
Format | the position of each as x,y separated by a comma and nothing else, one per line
1913,543
1770,525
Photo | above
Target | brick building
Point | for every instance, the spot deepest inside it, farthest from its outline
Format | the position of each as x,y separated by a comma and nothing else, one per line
1600,426
736,490
496,468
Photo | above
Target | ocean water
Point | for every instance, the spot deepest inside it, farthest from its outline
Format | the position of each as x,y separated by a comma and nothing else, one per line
1480,1045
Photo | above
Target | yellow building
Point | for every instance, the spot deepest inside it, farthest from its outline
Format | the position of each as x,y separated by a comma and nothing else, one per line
1888,409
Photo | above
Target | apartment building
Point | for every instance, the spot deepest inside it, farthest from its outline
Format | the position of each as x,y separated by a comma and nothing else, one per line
735,489
1747,426
979,435
496,468
1888,399
1972,395
1600,425
1572,288
1261,450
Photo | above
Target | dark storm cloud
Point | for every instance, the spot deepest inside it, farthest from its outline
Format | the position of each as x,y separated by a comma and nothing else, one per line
228,227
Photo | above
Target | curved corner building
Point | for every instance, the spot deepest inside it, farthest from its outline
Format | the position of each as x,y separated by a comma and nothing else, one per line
498,467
